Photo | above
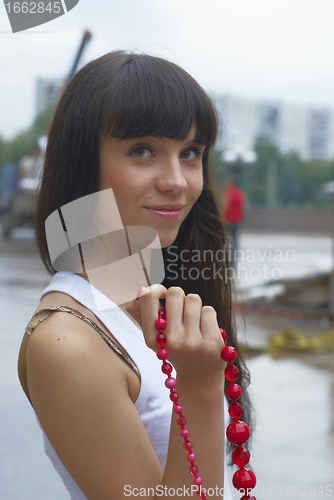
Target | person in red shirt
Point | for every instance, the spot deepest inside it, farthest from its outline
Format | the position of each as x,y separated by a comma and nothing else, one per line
233,209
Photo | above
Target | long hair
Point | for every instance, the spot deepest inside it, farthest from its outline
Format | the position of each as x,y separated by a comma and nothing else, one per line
127,95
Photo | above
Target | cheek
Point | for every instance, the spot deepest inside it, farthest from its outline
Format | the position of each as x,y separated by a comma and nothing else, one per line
110,179
117,179
128,187
196,186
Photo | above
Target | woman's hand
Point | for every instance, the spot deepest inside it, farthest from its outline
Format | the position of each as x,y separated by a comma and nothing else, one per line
194,341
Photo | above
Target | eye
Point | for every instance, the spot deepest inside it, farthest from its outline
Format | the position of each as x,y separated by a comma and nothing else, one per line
192,153
140,151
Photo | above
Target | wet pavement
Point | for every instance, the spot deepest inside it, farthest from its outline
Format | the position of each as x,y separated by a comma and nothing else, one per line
293,397
293,394
25,471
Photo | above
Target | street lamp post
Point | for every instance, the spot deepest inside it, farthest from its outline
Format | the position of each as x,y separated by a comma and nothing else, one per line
238,157
272,183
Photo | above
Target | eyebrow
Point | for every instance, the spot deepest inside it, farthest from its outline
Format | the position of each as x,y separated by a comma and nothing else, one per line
162,137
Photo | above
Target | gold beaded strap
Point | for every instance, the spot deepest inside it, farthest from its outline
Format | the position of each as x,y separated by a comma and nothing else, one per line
45,313
40,316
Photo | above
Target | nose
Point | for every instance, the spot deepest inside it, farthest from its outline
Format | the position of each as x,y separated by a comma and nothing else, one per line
171,176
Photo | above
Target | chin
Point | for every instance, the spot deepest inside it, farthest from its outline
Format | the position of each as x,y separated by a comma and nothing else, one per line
167,240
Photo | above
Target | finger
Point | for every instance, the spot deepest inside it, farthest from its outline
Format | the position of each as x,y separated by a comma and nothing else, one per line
192,314
210,329
149,306
174,312
133,307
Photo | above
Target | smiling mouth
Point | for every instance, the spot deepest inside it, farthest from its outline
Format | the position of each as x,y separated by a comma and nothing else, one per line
167,212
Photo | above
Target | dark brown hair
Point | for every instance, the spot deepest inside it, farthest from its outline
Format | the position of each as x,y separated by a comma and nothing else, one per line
127,95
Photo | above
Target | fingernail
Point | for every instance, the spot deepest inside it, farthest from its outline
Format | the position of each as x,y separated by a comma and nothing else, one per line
138,293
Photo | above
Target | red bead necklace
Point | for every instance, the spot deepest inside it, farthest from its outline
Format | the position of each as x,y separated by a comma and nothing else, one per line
237,432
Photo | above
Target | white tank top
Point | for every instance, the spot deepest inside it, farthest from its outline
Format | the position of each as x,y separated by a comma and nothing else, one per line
153,403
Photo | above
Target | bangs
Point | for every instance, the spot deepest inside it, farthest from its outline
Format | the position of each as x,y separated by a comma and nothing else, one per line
149,96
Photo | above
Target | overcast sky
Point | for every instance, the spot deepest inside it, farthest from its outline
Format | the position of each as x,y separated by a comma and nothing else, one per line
277,49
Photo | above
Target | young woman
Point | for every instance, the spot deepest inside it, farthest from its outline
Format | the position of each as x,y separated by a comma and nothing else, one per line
143,127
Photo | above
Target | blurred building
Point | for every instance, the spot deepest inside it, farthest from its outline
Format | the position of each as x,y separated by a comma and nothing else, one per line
307,130
47,92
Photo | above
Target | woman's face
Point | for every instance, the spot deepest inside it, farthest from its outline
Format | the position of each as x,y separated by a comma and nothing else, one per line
155,180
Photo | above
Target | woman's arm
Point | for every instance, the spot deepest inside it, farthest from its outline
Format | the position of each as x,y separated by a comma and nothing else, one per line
80,392
194,344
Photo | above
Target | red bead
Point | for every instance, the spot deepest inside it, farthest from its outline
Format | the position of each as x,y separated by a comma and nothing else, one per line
240,456
171,383
161,339
162,313
187,445
162,353
182,421
198,481
233,391
223,334
177,408
166,368
244,479
191,457
238,432
160,323
229,354
174,396
235,410
193,469
184,433
231,372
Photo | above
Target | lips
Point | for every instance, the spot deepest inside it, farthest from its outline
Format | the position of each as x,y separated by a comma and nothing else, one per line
166,208
168,211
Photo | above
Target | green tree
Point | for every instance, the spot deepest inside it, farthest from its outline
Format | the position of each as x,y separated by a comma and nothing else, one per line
312,175
24,142
254,177
219,170
289,185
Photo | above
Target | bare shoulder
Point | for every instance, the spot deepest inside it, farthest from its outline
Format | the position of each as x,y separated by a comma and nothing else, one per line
81,397
62,337
64,356
65,344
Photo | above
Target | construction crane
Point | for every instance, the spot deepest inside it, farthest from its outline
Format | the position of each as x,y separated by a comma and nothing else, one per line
85,39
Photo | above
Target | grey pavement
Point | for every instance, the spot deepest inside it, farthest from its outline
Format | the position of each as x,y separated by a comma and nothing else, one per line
25,471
